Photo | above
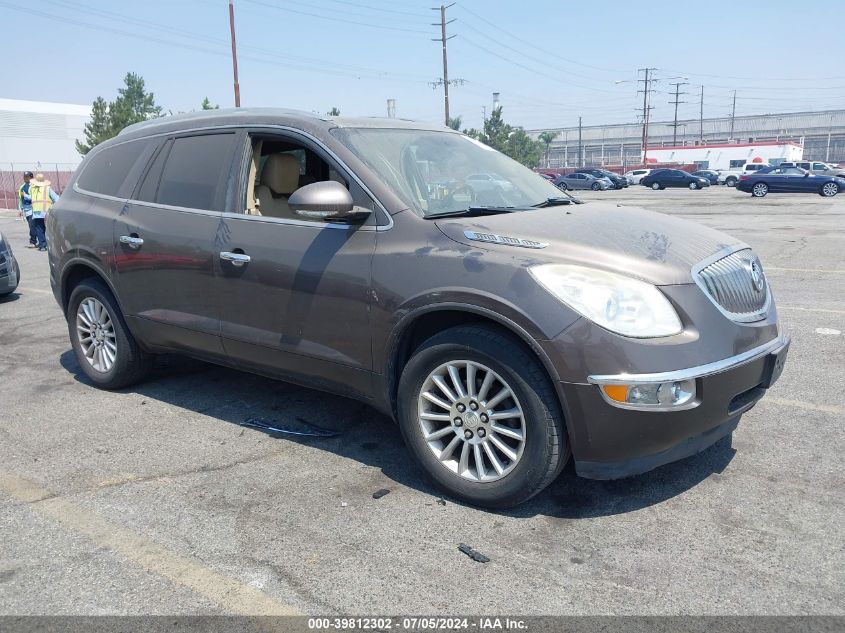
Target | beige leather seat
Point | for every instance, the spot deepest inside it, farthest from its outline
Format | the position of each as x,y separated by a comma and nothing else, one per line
279,179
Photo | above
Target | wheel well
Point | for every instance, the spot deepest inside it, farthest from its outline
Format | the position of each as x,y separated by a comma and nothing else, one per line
430,323
73,277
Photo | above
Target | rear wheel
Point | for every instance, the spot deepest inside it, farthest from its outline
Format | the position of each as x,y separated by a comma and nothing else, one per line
656,186
730,181
829,189
105,349
595,186
759,190
479,414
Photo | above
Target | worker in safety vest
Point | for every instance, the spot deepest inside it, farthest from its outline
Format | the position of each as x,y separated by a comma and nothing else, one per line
25,207
43,197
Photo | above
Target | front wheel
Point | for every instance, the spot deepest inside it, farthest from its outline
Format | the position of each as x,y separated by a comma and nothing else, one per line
759,190
480,415
105,349
829,189
562,186
595,186
693,185
655,185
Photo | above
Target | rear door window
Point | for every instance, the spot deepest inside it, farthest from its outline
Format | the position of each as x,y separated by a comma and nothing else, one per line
114,170
191,172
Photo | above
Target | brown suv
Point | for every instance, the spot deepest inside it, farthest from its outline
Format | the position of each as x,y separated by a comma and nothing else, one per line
503,326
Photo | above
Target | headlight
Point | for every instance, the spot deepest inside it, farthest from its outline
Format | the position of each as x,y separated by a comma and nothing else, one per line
618,303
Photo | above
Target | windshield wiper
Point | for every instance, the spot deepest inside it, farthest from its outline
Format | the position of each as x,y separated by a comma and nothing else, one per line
473,211
554,202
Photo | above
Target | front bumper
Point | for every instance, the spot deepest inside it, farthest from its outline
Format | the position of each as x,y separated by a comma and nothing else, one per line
610,442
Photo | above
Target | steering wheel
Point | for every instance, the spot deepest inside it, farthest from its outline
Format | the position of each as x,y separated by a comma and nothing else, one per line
449,200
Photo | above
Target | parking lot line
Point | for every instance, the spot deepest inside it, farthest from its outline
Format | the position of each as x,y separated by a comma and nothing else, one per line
800,404
231,594
39,291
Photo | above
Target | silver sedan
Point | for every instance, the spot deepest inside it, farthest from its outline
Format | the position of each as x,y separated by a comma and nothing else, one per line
583,181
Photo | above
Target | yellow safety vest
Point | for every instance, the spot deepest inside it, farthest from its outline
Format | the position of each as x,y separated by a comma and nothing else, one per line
40,195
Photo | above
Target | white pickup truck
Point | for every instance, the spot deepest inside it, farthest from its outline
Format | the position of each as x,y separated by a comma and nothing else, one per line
731,176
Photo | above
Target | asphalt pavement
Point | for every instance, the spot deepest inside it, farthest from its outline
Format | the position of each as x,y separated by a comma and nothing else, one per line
156,500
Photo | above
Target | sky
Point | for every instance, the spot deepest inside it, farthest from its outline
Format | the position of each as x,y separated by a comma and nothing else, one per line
552,61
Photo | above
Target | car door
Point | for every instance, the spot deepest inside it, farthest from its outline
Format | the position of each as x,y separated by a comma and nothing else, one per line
296,299
165,243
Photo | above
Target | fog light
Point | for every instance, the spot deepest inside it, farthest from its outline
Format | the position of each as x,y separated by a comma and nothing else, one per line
652,394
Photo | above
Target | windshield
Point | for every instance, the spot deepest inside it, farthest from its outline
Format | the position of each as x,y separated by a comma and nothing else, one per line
438,172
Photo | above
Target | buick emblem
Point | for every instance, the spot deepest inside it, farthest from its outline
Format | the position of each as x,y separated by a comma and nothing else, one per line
757,276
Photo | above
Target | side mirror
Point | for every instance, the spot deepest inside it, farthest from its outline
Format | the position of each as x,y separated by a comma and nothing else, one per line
327,201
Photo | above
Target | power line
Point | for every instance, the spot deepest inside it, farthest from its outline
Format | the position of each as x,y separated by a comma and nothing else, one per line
333,18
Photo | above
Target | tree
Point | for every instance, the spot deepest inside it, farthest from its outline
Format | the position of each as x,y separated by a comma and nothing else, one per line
206,105
335,111
546,138
511,141
132,105
455,122
98,128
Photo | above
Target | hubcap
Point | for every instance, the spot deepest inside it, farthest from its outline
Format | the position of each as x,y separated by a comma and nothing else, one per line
472,421
830,189
760,189
95,332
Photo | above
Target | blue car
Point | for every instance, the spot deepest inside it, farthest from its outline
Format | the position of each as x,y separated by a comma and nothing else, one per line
789,180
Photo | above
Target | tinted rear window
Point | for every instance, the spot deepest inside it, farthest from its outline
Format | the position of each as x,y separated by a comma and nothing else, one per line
114,170
194,175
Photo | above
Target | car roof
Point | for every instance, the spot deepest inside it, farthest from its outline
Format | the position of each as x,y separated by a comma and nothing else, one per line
268,116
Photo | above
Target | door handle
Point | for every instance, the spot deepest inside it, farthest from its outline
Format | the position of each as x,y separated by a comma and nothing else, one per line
237,259
131,242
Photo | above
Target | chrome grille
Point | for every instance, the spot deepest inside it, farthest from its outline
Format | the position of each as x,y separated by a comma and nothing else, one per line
736,284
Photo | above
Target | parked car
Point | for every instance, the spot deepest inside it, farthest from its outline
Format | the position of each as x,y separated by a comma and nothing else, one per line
619,182
487,182
548,177
503,332
711,175
662,178
10,271
636,175
583,181
730,177
789,180
816,167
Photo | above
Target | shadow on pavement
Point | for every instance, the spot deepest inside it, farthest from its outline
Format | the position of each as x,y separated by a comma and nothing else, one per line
370,438
9,298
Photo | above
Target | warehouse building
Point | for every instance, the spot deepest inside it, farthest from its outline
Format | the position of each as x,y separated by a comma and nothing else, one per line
38,136
820,134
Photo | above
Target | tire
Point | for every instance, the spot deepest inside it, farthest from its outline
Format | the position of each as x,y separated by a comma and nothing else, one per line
540,454
730,182
130,364
595,186
656,186
829,189
693,186
562,186
759,189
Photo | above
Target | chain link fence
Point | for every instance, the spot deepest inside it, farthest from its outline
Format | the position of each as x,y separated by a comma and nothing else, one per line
11,177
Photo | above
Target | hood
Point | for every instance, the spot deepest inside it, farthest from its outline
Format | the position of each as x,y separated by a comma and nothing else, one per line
654,247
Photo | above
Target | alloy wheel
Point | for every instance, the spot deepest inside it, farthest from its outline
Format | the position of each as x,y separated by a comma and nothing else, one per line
472,420
830,189
96,334
760,189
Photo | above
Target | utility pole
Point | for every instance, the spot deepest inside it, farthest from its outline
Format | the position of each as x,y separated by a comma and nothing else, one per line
733,116
391,108
483,115
647,90
701,118
677,100
234,54
444,81
580,151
